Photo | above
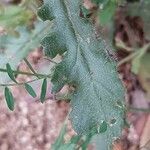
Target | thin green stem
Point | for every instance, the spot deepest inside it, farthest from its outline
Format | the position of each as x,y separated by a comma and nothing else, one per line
27,73
18,84
135,54
128,58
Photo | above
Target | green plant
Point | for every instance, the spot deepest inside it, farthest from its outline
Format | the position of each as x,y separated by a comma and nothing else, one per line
87,67
97,100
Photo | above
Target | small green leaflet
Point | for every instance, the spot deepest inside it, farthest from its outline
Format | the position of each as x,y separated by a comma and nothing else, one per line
30,90
9,99
43,90
106,13
10,72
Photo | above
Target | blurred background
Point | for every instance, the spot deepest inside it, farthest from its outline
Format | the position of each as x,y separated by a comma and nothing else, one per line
36,126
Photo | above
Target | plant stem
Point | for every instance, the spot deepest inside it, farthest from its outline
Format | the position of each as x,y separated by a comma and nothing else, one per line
27,73
128,58
135,54
18,84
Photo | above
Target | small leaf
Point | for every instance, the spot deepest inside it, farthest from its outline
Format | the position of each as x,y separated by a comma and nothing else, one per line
30,90
107,13
9,99
103,127
10,72
43,91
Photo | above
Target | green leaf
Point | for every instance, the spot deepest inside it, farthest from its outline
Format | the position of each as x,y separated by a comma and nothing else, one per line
45,12
53,45
30,90
106,13
10,72
9,99
87,67
14,49
103,127
43,90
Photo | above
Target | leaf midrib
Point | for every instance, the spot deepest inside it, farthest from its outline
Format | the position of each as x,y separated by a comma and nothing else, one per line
76,35
77,41
82,55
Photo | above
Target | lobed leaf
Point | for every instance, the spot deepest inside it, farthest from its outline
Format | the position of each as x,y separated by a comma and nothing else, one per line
86,66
